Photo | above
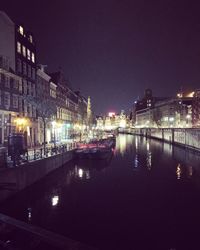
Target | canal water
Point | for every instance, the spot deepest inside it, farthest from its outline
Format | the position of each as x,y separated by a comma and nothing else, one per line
146,196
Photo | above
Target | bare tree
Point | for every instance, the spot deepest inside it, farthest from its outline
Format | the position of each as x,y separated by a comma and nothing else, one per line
46,110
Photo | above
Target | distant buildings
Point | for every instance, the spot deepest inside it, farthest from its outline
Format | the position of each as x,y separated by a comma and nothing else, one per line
112,121
196,109
22,77
166,112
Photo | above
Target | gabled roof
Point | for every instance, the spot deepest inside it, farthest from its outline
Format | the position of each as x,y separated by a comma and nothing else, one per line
6,17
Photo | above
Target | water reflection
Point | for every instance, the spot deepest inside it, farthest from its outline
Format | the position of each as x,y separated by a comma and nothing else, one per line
121,144
149,156
29,213
136,160
178,171
81,172
92,194
190,171
167,148
184,169
55,200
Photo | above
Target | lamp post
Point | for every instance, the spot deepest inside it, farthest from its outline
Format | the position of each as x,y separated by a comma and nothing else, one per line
188,117
54,132
20,124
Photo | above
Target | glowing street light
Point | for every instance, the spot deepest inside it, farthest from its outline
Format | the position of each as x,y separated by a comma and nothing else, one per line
21,123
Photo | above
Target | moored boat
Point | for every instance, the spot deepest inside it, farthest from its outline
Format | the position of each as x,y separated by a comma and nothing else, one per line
98,150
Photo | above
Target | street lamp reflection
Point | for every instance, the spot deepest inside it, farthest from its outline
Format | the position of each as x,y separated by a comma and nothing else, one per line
55,200
178,171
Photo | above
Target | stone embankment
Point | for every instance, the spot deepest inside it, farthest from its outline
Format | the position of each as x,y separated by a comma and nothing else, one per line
185,137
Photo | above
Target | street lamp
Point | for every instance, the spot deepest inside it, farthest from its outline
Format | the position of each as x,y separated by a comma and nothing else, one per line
20,123
188,117
54,131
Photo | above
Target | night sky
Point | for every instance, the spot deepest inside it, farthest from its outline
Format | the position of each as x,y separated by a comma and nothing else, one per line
112,50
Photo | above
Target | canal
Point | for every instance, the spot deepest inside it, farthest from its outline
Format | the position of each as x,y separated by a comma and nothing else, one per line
146,196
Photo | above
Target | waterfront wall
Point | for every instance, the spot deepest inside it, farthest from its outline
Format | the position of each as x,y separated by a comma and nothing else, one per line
17,178
186,137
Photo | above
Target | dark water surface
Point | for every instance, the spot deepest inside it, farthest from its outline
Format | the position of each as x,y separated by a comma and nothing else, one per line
147,196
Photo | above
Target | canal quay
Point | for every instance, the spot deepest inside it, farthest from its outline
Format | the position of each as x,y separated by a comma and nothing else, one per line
145,196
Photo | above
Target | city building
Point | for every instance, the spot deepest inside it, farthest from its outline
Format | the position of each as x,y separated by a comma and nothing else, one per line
18,65
67,106
141,106
10,90
25,64
22,82
46,95
196,109
165,113
112,121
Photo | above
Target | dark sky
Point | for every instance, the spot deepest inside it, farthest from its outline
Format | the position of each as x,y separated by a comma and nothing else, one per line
113,49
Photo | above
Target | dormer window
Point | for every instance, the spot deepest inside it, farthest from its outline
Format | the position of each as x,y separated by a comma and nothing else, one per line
31,38
21,30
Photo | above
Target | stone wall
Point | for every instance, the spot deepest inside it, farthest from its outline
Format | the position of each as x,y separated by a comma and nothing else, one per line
189,137
17,178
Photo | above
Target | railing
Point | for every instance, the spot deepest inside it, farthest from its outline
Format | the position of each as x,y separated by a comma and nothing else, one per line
39,153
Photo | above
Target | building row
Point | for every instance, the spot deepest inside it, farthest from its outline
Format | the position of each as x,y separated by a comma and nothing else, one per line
112,121
24,84
181,111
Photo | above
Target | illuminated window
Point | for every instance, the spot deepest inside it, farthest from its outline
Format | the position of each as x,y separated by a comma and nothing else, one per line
33,58
21,30
28,54
31,38
24,50
19,49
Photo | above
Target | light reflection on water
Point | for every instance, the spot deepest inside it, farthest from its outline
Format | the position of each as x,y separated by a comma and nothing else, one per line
178,171
100,200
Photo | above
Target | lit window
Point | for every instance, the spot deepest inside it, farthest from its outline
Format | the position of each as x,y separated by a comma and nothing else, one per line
21,30
33,58
28,54
31,38
19,50
24,50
